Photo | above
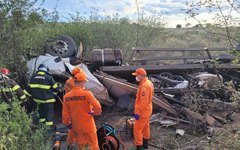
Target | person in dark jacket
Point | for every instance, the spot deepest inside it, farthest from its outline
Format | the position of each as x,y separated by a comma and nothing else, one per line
43,89
9,87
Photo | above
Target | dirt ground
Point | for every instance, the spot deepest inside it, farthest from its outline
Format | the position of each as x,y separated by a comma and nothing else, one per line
162,137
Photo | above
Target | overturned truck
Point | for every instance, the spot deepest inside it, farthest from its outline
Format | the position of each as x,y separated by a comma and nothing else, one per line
191,84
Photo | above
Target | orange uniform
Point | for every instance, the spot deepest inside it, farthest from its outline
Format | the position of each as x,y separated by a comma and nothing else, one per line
68,87
143,104
70,82
143,108
76,107
71,136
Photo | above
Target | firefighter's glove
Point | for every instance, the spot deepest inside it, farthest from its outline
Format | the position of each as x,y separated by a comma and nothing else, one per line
69,126
91,112
136,116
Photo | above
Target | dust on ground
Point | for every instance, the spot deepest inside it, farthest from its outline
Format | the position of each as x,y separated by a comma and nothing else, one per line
162,137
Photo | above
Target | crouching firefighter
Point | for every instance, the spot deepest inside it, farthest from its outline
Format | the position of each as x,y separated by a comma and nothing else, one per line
79,106
9,87
42,88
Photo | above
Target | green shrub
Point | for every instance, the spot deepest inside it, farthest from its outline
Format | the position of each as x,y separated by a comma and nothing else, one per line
16,129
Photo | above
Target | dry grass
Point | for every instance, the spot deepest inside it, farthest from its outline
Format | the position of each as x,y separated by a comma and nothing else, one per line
166,137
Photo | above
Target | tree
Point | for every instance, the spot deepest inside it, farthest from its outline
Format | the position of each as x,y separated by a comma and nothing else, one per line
187,25
17,17
197,26
226,14
179,26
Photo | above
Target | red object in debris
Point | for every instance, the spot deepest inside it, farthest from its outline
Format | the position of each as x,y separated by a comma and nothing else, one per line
130,122
5,71
110,142
57,141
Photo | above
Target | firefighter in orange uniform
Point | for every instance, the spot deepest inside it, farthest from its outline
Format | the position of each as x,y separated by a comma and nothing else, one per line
142,109
70,82
68,87
79,106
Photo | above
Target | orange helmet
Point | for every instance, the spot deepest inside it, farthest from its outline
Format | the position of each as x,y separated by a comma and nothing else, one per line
140,71
76,70
81,76
5,71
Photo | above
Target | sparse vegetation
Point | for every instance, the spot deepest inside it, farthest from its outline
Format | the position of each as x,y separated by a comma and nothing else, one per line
227,138
24,29
18,131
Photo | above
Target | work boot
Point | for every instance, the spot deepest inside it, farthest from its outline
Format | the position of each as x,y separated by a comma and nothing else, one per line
70,147
145,143
139,148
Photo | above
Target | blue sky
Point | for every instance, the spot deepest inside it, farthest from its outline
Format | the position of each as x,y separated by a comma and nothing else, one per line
172,10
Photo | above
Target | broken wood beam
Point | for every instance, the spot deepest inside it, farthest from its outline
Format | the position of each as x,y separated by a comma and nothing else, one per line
154,69
220,105
118,87
176,119
211,121
178,49
176,101
219,114
194,115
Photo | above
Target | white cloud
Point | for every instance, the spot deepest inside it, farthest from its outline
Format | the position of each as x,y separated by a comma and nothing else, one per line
170,9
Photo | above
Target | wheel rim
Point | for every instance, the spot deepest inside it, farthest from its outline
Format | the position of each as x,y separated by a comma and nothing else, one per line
60,47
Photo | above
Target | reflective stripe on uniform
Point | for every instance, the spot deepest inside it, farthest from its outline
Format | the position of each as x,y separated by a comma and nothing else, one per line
42,120
55,93
23,97
55,86
26,92
6,90
52,100
15,87
40,86
41,73
49,123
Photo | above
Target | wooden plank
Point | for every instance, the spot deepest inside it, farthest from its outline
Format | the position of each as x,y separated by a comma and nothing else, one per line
179,49
169,58
219,118
220,105
179,58
210,120
159,68
194,115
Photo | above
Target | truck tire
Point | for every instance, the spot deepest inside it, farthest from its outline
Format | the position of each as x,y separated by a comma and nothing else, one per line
61,45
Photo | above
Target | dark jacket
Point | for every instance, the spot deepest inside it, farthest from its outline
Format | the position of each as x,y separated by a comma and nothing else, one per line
42,87
9,88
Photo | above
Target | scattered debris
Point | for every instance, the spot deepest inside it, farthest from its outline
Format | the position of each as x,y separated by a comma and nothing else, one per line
180,132
119,87
184,97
